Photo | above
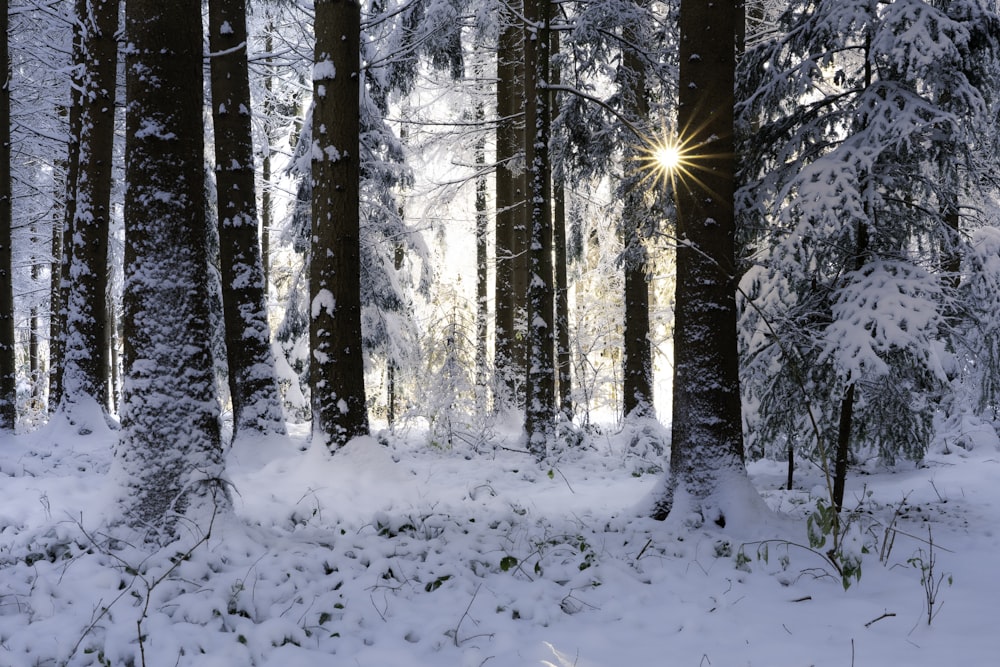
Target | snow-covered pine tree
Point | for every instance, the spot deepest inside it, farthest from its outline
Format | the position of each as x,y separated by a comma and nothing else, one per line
865,119
336,362
540,372
252,382
170,448
706,461
85,391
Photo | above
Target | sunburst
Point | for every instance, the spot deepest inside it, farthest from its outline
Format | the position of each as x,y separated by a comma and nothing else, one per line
663,158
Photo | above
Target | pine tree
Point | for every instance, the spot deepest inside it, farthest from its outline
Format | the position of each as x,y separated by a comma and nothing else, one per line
336,360
637,371
707,439
540,376
510,282
859,185
253,387
170,446
85,388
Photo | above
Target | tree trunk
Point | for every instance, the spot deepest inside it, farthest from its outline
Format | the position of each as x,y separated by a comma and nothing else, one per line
266,208
252,382
482,260
507,206
540,399
8,367
846,423
564,367
707,438
171,444
637,361
86,355
62,232
336,367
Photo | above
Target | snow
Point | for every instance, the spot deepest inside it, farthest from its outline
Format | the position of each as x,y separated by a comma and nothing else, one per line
391,552
325,69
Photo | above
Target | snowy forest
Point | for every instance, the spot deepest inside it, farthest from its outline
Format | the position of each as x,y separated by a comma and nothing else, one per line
499,332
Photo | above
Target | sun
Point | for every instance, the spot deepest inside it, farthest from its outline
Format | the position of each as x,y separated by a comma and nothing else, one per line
667,156
663,159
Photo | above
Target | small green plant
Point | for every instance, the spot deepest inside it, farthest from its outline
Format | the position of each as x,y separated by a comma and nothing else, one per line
826,523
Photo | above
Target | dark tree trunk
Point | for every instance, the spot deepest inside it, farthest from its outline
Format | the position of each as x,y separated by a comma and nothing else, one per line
171,444
86,355
564,368
540,399
336,367
508,207
637,360
707,438
8,368
252,383
62,233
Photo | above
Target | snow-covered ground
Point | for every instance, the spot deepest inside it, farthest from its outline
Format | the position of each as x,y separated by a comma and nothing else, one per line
395,554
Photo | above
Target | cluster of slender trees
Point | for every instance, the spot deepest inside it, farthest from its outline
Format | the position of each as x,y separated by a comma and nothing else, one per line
831,155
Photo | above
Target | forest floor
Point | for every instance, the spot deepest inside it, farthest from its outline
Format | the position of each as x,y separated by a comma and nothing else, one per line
394,553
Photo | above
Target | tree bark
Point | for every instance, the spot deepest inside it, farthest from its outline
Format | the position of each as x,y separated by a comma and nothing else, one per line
252,382
62,232
540,399
508,206
336,367
86,355
637,360
171,443
564,363
482,260
707,439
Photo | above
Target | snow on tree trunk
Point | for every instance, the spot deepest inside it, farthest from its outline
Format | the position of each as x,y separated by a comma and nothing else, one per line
8,397
509,205
170,447
707,441
336,365
540,406
252,382
62,232
86,355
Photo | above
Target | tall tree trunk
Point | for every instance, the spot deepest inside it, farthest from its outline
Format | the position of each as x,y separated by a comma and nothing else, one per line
62,233
707,438
540,399
35,326
86,355
508,149
266,207
336,367
564,363
252,382
637,359
8,367
171,443
482,259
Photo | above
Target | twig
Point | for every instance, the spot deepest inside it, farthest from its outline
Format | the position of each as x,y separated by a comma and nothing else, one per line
888,614
464,614
643,549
